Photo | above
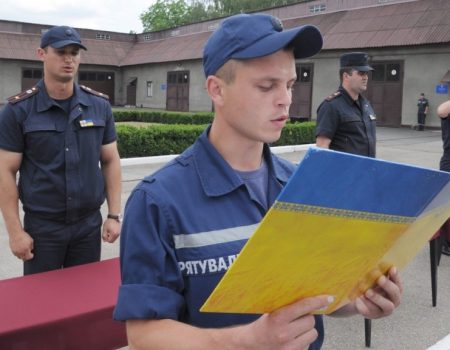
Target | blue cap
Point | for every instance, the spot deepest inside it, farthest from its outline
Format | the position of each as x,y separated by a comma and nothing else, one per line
247,36
58,37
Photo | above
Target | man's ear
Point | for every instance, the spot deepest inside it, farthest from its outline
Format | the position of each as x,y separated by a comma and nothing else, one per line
40,53
214,86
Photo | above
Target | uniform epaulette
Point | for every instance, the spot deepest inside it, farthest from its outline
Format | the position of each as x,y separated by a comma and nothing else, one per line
333,96
93,92
23,95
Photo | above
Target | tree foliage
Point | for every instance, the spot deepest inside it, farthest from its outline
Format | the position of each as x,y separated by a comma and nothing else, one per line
165,14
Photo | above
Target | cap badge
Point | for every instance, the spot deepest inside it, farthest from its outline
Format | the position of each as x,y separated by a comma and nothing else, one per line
277,25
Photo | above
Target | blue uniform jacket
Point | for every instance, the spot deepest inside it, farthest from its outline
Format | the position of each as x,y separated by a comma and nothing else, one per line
184,225
60,178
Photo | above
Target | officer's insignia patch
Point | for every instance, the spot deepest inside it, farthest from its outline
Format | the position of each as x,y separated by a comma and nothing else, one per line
84,123
23,95
93,92
333,95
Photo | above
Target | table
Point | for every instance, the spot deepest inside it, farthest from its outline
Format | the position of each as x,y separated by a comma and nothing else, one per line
63,309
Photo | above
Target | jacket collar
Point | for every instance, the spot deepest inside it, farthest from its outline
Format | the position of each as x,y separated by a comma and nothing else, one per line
217,177
45,102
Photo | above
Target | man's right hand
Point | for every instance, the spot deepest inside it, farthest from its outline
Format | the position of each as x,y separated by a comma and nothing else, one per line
290,327
21,245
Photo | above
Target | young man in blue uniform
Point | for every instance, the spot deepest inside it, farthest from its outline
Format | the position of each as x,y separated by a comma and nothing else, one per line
346,121
55,135
185,224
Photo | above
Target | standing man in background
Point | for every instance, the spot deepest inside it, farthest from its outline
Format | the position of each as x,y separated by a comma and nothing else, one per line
422,111
346,121
56,135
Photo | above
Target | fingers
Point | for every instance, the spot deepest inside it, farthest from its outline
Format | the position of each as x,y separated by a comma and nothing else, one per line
109,236
394,276
290,327
111,231
383,298
23,248
303,307
391,287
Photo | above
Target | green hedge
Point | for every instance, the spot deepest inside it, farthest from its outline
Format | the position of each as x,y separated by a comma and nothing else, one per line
163,117
163,139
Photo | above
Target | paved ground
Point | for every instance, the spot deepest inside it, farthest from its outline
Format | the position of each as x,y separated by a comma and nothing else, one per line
415,326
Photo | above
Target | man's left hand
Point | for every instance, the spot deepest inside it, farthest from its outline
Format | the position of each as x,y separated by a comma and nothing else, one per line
111,230
383,298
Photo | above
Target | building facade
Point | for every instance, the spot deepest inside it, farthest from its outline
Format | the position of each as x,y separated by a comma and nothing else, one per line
408,42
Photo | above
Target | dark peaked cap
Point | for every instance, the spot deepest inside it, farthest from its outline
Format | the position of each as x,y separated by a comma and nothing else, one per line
356,60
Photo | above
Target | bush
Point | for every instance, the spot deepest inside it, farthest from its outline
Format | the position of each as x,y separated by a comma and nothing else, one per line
163,117
163,139
155,140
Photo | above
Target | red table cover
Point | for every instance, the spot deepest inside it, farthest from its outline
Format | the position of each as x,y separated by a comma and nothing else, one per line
63,309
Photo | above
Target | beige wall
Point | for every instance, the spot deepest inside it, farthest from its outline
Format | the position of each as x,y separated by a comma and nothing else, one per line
11,77
157,73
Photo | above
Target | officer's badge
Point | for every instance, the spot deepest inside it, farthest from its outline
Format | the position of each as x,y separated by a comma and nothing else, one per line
85,123
277,25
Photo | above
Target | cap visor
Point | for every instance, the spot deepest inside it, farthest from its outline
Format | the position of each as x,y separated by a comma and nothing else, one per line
363,68
64,43
306,41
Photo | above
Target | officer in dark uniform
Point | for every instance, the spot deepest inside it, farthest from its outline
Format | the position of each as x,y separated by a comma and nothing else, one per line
345,120
422,110
56,135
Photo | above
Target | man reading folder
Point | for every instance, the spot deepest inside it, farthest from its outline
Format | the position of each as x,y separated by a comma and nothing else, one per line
185,224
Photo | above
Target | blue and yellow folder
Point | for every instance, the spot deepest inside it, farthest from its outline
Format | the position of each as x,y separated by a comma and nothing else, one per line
340,223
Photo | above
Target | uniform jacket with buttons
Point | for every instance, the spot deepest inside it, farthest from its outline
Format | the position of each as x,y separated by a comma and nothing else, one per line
349,124
60,177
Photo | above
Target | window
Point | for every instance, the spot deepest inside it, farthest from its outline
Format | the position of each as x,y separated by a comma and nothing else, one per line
305,74
27,73
317,8
147,37
95,76
387,72
99,36
101,76
213,26
393,72
149,88
32,73
378,72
